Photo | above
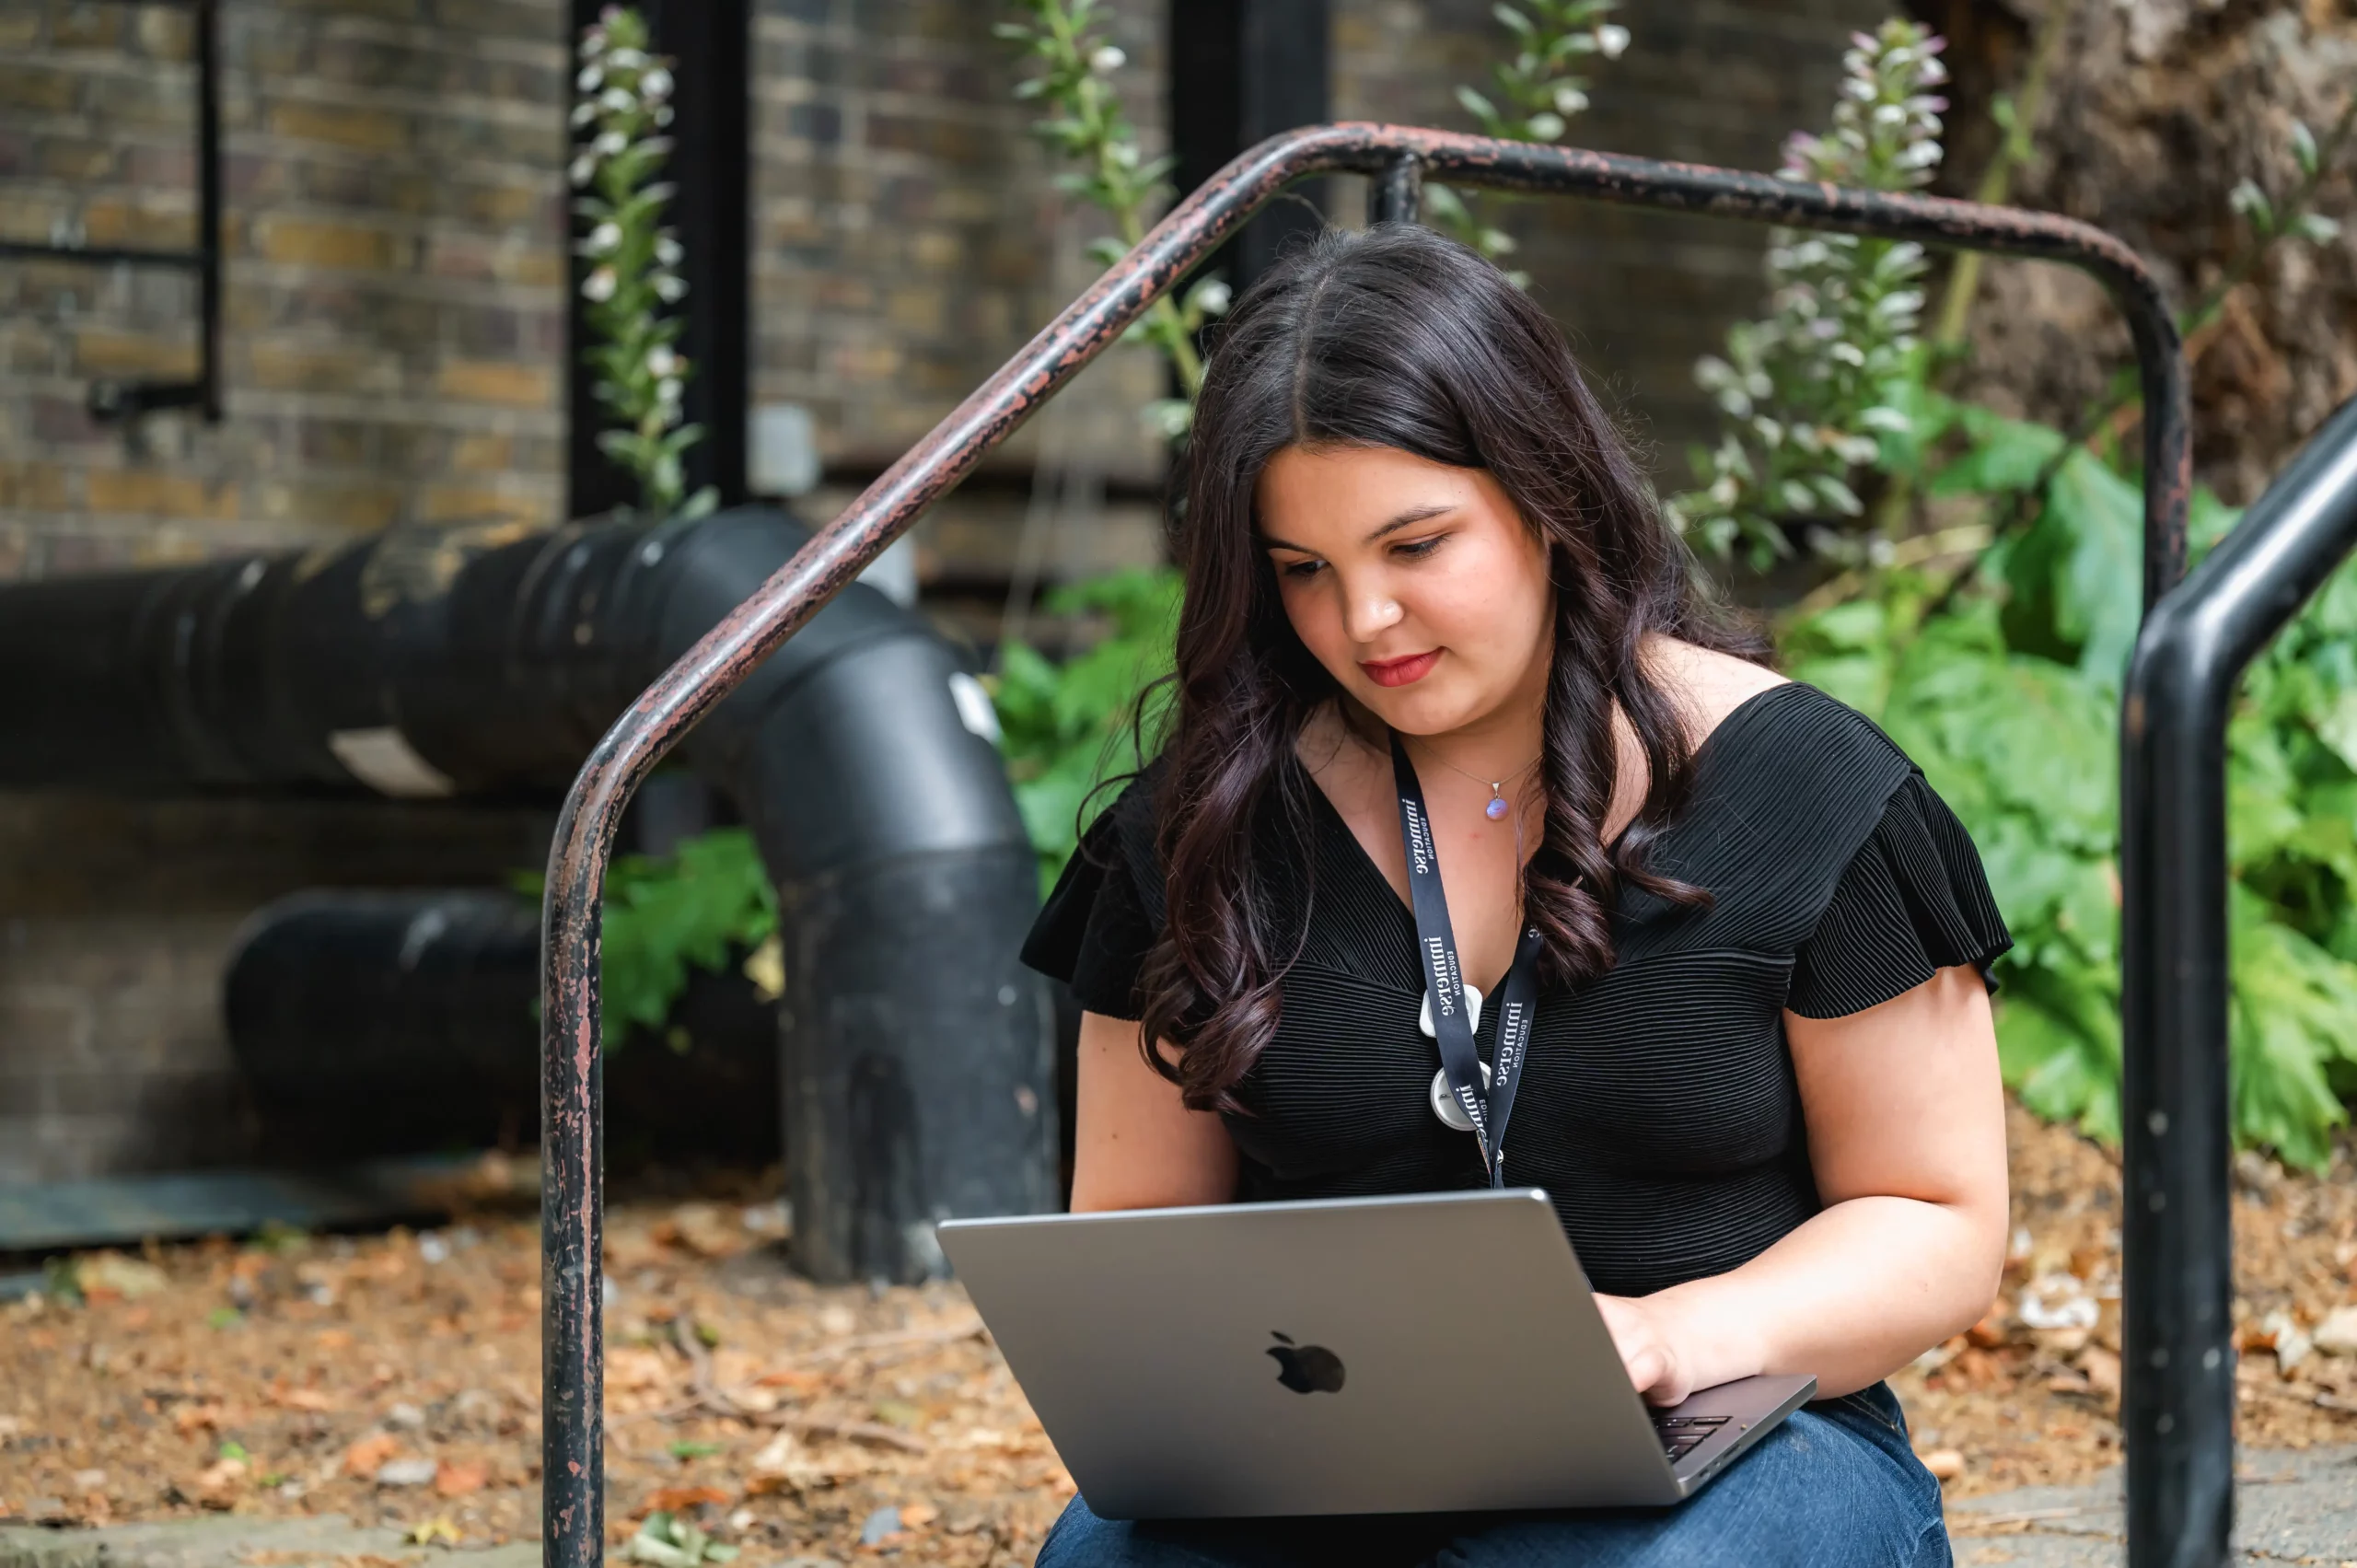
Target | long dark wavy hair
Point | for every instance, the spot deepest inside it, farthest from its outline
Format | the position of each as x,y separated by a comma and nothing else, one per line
1398,337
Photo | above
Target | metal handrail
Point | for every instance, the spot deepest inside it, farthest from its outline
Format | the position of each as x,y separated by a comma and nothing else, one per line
572,1221
2178,1397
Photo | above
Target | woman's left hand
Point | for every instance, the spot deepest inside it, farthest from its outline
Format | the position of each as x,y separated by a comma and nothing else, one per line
1641,1334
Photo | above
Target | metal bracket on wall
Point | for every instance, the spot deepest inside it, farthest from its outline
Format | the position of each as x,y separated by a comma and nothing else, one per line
110,402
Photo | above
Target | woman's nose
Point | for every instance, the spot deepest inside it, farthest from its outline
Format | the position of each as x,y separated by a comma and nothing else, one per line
1368,611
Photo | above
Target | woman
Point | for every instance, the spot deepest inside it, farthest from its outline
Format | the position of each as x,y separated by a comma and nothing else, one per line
1761,1087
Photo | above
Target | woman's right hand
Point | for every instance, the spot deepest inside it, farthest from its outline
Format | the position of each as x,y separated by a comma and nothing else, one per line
1647,1349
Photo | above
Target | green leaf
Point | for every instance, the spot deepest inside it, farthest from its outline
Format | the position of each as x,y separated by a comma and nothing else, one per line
694,908
2304,147
2004,455
2208,520
1480,108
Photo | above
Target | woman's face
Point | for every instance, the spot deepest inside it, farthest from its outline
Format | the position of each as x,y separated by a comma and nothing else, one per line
1416,585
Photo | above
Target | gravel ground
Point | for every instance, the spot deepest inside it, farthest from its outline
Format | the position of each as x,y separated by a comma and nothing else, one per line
394,1380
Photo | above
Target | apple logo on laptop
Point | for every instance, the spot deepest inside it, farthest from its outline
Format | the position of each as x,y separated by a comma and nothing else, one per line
1306,1369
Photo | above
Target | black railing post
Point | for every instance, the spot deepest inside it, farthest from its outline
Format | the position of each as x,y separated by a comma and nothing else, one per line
2177,1110
573,1506
1394,193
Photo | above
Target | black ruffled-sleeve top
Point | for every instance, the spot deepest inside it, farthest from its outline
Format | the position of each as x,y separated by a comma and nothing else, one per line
1658,1107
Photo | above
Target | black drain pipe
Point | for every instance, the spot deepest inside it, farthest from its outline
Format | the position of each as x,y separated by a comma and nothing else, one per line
916,1052
413,1007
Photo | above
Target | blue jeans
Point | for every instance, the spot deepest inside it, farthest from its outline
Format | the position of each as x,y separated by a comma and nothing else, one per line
1835,1486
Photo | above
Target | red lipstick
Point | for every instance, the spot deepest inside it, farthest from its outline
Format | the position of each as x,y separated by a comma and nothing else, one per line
1400,671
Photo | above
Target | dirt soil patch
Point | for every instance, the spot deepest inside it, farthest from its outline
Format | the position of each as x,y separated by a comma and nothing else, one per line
394,1378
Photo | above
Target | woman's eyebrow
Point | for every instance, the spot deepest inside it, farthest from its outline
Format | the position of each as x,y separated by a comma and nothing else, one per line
1411,517
1406,519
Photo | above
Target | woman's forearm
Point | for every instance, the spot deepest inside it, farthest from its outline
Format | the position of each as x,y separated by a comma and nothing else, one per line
1850,1296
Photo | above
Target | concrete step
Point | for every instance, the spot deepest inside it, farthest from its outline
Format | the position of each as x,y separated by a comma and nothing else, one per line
2289,1507
329,1540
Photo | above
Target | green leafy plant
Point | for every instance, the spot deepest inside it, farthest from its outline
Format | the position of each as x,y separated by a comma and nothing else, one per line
1805,392
1087,125
1066,728
1534,94
2002,678
623,104
2006,691
694,907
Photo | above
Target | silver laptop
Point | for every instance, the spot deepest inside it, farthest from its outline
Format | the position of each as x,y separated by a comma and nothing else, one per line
1370,1355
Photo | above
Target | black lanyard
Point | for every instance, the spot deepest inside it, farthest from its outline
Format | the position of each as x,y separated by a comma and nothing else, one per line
1516,1004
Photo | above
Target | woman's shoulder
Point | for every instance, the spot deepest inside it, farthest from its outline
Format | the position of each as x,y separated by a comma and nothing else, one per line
1106,909
1787,778
1791,731
1126,830
1709,686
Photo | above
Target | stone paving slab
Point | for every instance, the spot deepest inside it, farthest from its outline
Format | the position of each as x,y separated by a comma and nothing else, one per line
327,1541
2289,1508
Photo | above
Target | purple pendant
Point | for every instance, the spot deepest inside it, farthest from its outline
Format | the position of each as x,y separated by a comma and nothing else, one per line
1496,809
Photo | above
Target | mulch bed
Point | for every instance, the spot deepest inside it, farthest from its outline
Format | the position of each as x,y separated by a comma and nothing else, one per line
2031,1395
394,1378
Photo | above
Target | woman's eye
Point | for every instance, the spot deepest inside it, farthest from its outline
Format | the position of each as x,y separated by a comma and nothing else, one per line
1300,569
1417,549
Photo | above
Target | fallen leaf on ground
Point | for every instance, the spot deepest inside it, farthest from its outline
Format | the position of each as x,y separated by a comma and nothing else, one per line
364,1457
317,1400
408,1472
220,1482
459,1480
111,1274
630,1366
680,1499
2337,1335
703,1230
2102,1369
1945,1463
438,1529
196,1417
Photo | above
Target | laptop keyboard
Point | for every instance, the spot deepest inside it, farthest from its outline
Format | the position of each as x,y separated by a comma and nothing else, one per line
1681,1434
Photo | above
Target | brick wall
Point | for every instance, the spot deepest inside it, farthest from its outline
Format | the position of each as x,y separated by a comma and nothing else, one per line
393,252
392,336
1703,81
116,920
394,311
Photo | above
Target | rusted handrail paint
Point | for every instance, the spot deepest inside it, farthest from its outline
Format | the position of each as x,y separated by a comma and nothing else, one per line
573,1476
